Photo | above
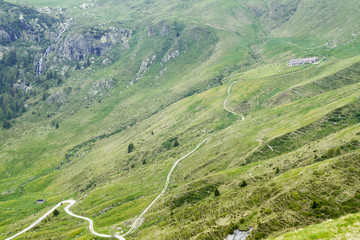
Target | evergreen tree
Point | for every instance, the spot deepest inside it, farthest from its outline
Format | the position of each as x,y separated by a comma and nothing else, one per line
277,171
131,148
57,125
87,63
6,124
77,66
315,205
11,60
2,41
243,184
56,212
216,192
176,143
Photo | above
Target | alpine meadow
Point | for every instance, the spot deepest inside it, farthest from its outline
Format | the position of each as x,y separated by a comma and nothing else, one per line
180,119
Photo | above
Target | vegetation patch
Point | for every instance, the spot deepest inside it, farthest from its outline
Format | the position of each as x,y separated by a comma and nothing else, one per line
192,196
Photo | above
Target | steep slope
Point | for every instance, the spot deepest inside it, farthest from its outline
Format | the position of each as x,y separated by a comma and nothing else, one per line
156,74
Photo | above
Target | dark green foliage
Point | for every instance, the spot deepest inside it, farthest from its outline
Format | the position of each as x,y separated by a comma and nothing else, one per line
6,124
176,143
231,228
352,145
77,66
57,125
144,162
131,148
12,93
315,205
277,171
56,213
192,196
337,152
243,184
330,153
216,192
11,59
171,143
87,63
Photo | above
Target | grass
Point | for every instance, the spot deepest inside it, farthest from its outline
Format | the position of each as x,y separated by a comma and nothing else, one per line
346,227
112,186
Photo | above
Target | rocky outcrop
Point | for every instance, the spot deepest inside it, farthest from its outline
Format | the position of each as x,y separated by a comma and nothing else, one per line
239,235
151,31
22,86
40,66
164,28
78,46
59,97
4,36
169,56
144,67
101,87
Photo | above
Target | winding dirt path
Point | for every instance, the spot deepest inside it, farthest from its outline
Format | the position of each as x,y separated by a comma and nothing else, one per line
70,202
226,102
136,222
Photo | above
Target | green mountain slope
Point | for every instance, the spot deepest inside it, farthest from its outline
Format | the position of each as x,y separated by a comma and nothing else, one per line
155,75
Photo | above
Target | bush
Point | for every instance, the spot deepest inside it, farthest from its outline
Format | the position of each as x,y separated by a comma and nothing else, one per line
131,148
171,143
216,192
6,124
56,212
315,205
330,153
243,184
231,228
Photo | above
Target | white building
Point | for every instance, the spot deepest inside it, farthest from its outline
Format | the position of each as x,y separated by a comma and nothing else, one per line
301,61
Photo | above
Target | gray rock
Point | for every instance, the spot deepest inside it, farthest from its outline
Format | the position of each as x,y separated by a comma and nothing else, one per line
239,235
58,97
102,86
144,67
169,56
4,35
78,46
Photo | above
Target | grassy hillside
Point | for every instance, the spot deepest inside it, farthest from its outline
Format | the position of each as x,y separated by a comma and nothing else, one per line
346,227
291,163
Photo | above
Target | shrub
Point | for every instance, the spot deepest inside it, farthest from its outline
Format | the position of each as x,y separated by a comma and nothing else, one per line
216,192
6,124
315,205
243,184
171,143
330,153
131,148
56,212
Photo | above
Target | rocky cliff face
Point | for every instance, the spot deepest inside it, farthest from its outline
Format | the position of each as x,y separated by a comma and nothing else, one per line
79,45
